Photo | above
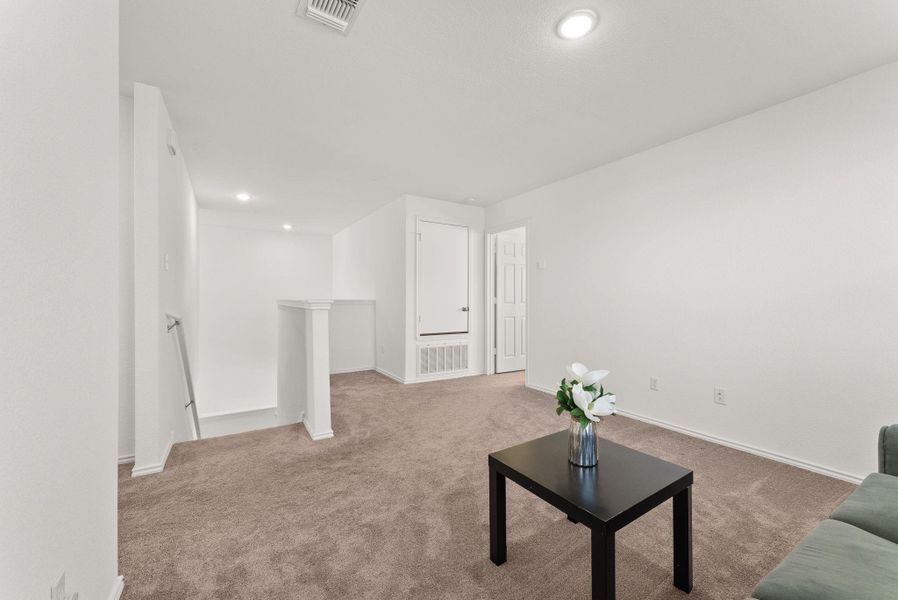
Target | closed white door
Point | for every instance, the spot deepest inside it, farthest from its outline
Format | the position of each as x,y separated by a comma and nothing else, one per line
511,301
442,278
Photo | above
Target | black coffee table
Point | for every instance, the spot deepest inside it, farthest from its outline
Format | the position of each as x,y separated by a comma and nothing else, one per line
625,485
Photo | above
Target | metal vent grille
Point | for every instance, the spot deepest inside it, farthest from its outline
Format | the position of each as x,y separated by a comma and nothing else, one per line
338,14
437,359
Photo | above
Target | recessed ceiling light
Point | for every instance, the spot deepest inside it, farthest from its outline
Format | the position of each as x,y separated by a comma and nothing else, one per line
577,24
244,197
287,226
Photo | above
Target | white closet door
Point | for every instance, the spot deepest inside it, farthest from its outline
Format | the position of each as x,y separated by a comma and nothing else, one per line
442,278
511,303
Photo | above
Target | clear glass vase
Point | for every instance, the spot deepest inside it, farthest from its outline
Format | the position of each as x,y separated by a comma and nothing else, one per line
583,443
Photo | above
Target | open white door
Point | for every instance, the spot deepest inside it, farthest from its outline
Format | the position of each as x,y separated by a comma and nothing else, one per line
511,313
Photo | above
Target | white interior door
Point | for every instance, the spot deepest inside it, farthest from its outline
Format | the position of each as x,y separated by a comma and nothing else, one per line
442,278
511,302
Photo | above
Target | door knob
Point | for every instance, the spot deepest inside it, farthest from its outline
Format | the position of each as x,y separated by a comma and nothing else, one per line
465,309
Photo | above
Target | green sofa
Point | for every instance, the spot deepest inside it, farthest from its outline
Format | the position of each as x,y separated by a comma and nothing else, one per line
852,555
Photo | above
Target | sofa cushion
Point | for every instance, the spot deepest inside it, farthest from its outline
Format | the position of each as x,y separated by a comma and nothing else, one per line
836,561
873,507
888,450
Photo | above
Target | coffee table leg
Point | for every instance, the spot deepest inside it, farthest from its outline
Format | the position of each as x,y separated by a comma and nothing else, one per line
572,519
498,550
602,565
682,539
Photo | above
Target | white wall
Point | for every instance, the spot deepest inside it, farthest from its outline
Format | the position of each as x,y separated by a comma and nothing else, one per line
352,336
243,272
165,281
370,263
303,370
292,356
459,214
376,258
58,310
126,278
760,256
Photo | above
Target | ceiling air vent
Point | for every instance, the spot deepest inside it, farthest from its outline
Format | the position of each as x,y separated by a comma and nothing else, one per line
338,14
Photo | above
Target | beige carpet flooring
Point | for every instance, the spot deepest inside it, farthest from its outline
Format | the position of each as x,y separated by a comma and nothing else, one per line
396,507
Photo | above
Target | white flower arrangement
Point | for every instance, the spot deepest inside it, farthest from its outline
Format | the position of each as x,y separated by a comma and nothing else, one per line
584,396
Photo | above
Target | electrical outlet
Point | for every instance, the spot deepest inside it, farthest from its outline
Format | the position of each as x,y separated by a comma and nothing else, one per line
720,396
653,384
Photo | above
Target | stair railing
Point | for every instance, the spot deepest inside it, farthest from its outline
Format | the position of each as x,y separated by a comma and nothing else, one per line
175,324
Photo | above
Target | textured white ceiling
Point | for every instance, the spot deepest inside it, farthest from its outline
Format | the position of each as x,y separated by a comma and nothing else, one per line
451,99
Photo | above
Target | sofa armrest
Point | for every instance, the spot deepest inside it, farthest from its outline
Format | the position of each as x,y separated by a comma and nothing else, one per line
888,450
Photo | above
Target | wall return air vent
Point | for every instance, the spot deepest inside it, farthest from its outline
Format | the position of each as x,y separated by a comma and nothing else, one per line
442,358
338,14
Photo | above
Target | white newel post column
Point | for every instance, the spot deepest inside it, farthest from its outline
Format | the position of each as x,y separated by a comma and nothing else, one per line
304,390
318,384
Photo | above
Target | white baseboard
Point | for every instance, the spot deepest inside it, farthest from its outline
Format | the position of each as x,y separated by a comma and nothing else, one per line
392,376
237,421
352,370
226,414
781,458
322,435
117,588
126,459
442,377
540,388
153,469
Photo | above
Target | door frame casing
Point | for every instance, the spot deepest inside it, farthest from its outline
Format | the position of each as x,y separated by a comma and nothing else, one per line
489,307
